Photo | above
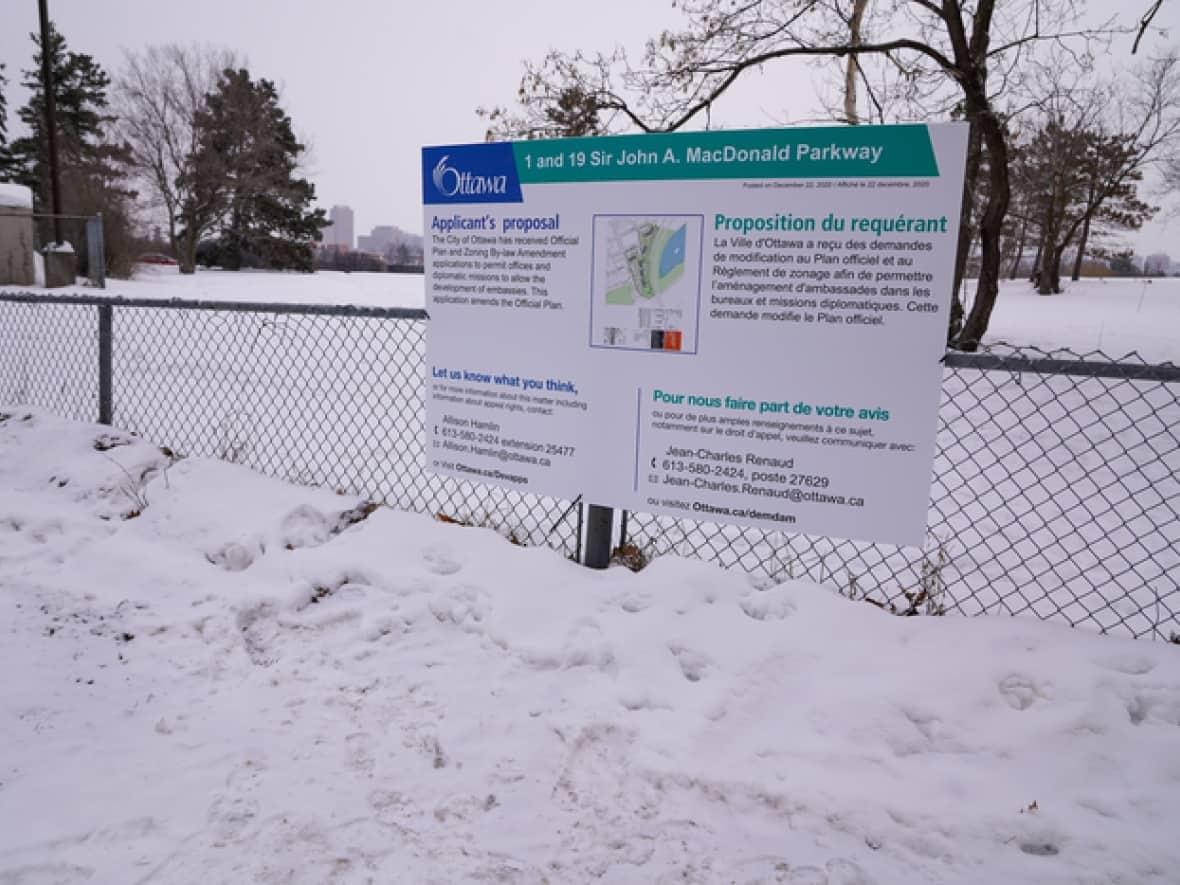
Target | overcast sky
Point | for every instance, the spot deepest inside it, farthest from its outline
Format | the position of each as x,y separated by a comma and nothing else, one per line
369,82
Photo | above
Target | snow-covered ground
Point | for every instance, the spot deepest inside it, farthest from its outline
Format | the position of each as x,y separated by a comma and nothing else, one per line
211,676
1115,316
322,287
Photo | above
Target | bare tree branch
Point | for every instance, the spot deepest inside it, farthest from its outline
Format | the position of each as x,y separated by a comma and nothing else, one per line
1145,23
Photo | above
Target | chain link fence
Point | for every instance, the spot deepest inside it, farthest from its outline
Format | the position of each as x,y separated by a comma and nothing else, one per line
325,396
1056,493
1056,488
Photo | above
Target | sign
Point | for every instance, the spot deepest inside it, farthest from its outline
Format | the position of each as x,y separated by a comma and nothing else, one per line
737,327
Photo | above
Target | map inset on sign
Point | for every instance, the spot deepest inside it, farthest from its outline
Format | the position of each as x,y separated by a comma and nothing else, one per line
646,282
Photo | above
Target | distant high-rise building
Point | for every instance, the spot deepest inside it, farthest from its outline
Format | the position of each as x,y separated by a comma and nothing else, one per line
339,232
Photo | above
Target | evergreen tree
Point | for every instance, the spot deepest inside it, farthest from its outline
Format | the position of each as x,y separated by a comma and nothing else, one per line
6,165
91,167
246,140
3,108
1111,192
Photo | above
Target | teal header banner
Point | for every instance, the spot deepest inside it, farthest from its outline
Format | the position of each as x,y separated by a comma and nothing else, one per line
902,151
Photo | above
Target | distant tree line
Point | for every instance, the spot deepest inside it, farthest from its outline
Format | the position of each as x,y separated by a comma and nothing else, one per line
348,260
397,258
185,136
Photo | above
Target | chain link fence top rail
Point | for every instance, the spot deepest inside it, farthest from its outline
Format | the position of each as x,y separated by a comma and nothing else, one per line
1055,490
326,396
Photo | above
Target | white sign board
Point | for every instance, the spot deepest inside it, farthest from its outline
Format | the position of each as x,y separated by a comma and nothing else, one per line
733,327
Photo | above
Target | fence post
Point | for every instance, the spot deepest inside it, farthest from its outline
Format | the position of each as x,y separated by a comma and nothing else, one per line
96,262
599,522
105,324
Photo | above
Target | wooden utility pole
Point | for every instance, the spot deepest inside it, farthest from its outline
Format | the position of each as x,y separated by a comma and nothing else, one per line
50,120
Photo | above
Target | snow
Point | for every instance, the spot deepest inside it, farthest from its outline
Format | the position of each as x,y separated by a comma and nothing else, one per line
322,287
63,248
15,196
1116,315
212,675
215,676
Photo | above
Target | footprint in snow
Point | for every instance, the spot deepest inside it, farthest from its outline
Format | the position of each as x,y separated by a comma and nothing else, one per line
846,872
358,753
768,605
440,562
259,631
633,603
586,647
694,665
235,557
230,816
757,871
1021,691
1130,665
1159,705
466,607
304,527
389,807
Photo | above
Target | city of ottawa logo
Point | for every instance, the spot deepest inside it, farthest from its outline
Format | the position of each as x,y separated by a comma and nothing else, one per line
450,182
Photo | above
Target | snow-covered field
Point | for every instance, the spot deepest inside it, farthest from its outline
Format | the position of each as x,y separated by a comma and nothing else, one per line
1115,316
323,287
212,676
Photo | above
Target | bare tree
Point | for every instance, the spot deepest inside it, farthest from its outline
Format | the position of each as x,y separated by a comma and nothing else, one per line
852,63
159,95
928,57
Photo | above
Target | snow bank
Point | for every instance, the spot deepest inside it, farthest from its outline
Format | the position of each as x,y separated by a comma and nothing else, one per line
211,675
15,196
